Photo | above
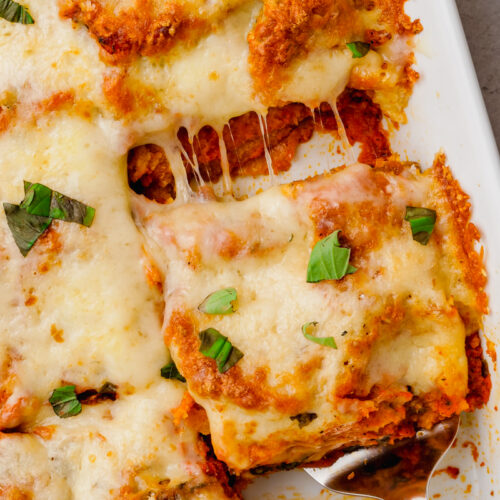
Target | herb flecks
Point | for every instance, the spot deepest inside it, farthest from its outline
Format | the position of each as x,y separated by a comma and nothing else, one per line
65,402
15,13
223,301
422,221
32,217
309,328
358,49
41,200
108,392
216,346
304,419
25,228
328,260
170,371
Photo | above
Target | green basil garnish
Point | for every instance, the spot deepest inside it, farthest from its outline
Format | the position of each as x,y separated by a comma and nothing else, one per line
221,302
15,13
308,329
29,220
41,200
170,371
304,419
358,49
328,260
422,221
65,402
25,228
214,345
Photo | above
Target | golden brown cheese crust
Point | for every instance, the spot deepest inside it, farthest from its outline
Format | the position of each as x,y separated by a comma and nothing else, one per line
144,29
373,399
284,34
287,30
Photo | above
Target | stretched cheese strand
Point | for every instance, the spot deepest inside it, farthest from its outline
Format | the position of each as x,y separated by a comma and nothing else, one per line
267,154
342,133
227,183
183,191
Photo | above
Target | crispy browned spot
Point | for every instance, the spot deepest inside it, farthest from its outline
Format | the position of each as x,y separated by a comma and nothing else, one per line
32,111
288,29
141,30
246,390
467,233
14,493
149,173
479,382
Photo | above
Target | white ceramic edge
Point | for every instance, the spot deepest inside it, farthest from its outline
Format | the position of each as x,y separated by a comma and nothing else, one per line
294,485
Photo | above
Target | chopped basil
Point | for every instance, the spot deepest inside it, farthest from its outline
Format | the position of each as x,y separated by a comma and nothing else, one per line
108,391
422,221
308,329
214,345
223,301
29,220
65,402
328,260
304,419
41,200
14,12
25,228
170,371
358,49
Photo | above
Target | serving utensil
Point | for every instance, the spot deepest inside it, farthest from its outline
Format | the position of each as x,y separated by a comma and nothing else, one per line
390,472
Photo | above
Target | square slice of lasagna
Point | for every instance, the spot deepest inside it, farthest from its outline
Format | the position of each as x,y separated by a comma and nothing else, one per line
323,314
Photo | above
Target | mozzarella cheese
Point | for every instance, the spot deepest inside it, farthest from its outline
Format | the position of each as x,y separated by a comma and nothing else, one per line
79,310
396,321
85,306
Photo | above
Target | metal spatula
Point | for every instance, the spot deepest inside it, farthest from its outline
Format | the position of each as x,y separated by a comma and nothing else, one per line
390,472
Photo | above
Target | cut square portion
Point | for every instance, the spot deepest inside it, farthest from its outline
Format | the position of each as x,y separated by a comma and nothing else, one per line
399,322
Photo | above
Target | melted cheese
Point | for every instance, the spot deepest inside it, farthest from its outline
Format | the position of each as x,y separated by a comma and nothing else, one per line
401,326
112,449
83,313
206,83
79,308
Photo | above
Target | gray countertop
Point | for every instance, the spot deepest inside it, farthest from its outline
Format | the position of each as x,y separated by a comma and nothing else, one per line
481,20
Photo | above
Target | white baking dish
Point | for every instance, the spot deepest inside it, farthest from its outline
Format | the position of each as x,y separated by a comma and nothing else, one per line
446,112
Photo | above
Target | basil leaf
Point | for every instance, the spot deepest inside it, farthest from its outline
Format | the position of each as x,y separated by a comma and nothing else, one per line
422,221
25,228
307,330
358,49
212,342
214,345
92,397
14,12
221,302
234,356
304,419
37,199
41,200
328,260
170,371
64,402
